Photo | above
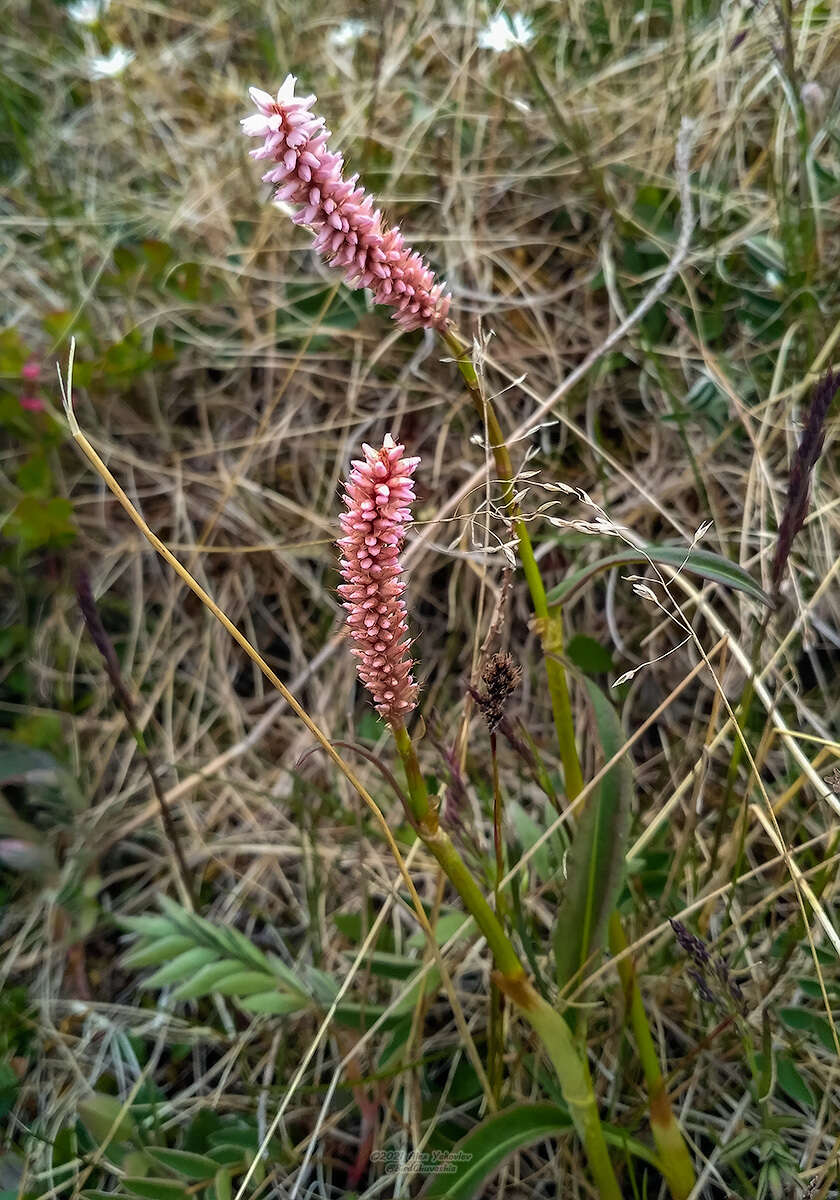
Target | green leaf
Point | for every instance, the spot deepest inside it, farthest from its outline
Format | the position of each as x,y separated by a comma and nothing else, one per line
242,1135
36,522
136,1162
40,730
807,1022
99,1112
528,833
154,1189
9,1088
152,953
183,1162
447,926
389,965
595,863
321,985
393,1051
207,978
222,1185
279,968
792,1082
181,967
244,983
428,984
362,1016
158,255
229,943
35,476
280,1003
590,656
13,352
704,563
227,1155
475,1157
150,927
485,1148
812,988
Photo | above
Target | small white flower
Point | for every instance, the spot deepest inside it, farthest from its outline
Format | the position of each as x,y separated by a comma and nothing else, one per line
87,12
503,33
346,34
106,66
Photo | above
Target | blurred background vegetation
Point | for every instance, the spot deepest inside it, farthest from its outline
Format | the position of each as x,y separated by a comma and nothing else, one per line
226,377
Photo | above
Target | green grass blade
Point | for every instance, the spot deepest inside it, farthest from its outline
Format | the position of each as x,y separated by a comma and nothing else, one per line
486,1147
713,567
595,863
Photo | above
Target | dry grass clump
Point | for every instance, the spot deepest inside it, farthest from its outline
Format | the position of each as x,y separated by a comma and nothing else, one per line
227,378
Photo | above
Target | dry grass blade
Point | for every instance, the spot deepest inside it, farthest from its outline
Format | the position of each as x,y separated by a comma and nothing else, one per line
653,302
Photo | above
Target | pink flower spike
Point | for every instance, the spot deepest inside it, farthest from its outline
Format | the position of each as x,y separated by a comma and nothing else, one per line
379,490
349,233
32,403
30,371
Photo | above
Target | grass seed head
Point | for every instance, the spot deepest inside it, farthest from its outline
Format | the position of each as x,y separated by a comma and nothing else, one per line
501,678
807,455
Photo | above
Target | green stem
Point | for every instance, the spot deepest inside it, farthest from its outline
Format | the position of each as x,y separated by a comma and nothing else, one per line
498,841
677,1166
461,878
422,809
675,1160
456,870
549,623
495,1054
510,977
575,1080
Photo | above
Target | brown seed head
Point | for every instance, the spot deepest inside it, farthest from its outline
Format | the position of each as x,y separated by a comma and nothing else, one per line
501,678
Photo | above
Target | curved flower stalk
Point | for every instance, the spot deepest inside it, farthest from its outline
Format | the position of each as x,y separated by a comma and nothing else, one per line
348,230
379,492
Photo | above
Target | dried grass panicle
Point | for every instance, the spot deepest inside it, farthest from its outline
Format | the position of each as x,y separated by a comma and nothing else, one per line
712,976
807,455
349,232
703,989
694,946
379,493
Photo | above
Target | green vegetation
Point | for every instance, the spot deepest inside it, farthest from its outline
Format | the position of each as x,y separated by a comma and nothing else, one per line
219,977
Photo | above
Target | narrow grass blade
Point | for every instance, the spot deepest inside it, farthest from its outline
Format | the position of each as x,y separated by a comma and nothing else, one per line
486,1147
595,862
713,567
